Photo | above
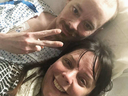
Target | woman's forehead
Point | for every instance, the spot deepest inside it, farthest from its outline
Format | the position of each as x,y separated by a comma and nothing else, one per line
82,53
78,51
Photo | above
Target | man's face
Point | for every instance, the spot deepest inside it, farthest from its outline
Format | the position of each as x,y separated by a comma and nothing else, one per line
70,75
81,18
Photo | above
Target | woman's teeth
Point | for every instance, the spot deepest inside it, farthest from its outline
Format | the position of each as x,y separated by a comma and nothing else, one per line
58,86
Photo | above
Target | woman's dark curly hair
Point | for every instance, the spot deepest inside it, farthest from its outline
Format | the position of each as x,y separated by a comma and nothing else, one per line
105,60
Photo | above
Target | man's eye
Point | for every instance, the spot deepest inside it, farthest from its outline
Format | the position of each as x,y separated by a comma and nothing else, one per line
88,26
75,10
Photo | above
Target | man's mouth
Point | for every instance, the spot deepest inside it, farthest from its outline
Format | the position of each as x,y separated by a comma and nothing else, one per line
58,86
65,30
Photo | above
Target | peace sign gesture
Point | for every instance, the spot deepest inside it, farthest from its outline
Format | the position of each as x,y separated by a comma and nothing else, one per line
27,42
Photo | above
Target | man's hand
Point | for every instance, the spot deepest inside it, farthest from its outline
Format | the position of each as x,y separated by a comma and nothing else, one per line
27,42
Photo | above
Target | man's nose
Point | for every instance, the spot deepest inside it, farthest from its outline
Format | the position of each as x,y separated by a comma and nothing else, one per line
74,24
69,76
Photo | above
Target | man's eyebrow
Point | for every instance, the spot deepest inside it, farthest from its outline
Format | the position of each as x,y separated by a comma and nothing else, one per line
78,6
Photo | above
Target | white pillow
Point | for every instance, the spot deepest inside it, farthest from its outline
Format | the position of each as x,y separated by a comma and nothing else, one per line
3,1
116,36
120,85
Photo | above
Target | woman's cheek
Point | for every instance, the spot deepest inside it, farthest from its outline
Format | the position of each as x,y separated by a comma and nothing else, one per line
77,90
58,67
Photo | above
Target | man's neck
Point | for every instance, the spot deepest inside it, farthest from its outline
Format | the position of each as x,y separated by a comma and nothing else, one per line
52,24
47,20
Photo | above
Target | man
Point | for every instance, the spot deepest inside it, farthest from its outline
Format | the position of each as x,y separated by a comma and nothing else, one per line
79,19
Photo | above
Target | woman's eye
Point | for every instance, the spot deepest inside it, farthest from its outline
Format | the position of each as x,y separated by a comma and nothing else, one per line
75,10
83,82
67,62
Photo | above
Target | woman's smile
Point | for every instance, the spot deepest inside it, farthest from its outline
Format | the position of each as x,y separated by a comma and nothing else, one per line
57,85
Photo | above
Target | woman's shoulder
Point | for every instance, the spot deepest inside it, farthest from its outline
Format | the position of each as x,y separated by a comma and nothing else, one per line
8,76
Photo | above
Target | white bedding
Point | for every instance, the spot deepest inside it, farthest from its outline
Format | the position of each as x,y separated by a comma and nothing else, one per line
3,0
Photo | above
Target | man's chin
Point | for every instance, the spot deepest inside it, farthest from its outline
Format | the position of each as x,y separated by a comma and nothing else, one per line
62,38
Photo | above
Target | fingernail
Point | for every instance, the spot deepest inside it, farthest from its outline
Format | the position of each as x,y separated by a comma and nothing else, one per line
59,30
62,44
42,47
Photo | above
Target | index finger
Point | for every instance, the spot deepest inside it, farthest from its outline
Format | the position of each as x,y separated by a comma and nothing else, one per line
46,33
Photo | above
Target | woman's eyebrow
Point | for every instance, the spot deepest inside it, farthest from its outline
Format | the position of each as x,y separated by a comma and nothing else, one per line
75,61
72,58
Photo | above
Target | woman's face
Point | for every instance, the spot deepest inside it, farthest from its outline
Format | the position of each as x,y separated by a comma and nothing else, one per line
80,18
67,77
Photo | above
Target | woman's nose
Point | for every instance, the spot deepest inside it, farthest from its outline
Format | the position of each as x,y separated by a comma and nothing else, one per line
69,76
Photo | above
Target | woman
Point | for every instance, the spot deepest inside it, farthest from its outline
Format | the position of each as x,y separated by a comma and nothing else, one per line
84,69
